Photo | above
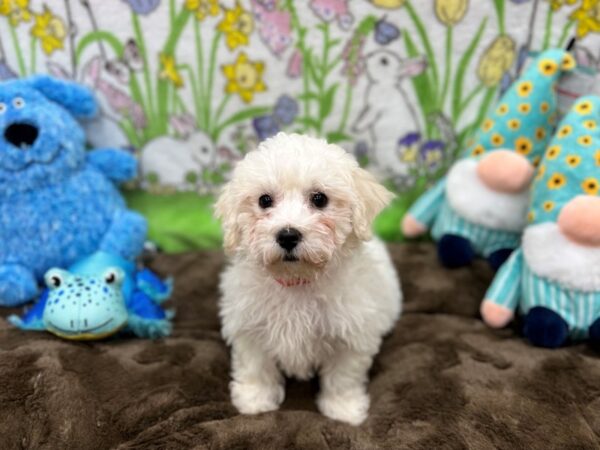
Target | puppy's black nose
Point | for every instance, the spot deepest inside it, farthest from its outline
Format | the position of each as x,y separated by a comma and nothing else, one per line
288,238
20,134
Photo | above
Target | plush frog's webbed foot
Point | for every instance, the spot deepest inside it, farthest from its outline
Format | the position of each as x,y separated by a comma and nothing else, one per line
149,328
545,328
455,251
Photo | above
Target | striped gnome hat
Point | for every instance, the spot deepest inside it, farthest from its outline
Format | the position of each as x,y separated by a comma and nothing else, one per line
525,117
571,165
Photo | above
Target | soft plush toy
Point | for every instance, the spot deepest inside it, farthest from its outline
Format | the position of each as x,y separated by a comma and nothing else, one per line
554,278
479,208
58,202
97,297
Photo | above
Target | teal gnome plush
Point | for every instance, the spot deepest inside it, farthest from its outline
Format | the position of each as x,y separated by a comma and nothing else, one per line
479,208
554,277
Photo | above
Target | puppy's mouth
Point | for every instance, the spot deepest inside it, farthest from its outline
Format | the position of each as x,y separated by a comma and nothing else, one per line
290,257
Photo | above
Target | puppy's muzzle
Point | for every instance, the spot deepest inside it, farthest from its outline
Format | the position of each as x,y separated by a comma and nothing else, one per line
288,238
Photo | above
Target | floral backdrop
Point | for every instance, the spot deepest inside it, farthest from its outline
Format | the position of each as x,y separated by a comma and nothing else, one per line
189,86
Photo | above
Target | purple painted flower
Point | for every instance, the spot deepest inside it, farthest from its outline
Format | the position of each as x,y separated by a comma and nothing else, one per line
432,153
143,7
286,110
520,2
354,61
409,139
265,126
386,32
6,72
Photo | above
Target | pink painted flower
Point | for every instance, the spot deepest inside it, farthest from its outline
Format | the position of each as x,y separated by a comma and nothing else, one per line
294,68
274,26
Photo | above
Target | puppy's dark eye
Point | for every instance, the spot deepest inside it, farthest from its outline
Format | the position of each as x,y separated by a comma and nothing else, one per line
265,201
319,200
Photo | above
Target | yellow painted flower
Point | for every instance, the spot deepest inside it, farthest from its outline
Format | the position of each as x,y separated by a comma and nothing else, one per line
524,108
557,181
553,152
203,8
547,67
530,216
524,88
450,12
584,107
514,124
573,160
244,77
548,206
50,30
16,10
478,150
388,4
237,26
597,157
169,70
590,186
564,131
497,139
585,140
487,125
496,60
523,145
544,107
587,17
589,124
536,161
557,4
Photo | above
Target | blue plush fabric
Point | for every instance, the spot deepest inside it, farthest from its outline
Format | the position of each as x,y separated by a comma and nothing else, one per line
58,202
97,297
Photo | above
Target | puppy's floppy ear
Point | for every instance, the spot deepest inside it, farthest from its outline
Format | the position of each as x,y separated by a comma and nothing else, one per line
371,198
226,212
74,97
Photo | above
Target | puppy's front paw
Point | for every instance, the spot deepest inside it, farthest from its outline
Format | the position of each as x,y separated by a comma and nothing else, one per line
255,398
351,407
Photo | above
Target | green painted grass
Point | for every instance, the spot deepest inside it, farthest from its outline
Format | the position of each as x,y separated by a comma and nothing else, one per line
178,222
183,221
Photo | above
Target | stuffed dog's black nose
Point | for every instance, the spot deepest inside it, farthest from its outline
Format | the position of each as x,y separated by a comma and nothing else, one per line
288,238
21,135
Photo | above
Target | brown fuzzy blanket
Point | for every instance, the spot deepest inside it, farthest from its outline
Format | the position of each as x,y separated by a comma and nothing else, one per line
442,380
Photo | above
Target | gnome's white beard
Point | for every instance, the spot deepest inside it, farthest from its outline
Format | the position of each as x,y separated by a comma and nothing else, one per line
479,204
550,254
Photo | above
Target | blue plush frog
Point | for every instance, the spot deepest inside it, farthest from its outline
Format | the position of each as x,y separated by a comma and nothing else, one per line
97,297
58,202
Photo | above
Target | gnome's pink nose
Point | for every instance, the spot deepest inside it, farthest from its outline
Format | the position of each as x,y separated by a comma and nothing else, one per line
579,220
505,171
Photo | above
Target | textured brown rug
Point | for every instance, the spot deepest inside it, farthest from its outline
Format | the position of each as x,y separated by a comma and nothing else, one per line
442,380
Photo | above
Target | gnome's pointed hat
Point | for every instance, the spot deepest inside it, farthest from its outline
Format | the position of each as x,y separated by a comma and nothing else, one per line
525,117
571,165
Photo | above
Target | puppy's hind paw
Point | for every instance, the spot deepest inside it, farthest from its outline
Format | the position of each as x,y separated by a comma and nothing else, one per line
256,398
351,407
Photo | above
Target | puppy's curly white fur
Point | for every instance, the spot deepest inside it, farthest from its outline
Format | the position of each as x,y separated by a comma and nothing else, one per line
308,289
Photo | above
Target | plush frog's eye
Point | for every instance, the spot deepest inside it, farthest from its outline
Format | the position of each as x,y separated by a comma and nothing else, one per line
55,278
18,103
2,107
113,276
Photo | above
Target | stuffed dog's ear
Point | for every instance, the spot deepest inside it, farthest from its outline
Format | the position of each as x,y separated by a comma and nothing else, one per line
371,198
226,212
77,99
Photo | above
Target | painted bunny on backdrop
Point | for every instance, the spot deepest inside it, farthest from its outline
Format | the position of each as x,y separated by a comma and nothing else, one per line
387,114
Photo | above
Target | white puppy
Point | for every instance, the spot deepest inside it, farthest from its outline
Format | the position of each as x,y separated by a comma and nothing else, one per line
308,289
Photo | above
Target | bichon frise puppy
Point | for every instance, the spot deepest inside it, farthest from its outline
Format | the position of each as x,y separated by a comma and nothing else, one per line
308,290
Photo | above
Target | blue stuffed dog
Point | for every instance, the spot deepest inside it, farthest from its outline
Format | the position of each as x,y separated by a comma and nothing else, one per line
58,202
